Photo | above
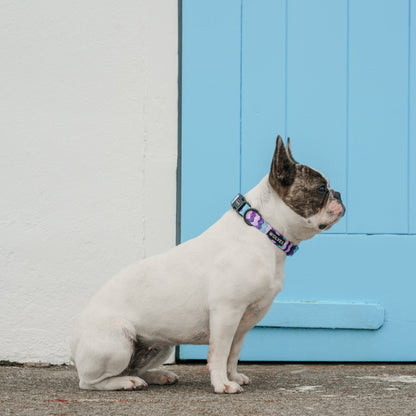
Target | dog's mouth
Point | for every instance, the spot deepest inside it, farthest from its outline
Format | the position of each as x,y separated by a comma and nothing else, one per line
328,225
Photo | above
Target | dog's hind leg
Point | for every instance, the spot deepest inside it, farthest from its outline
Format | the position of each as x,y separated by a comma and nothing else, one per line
147,363
102,358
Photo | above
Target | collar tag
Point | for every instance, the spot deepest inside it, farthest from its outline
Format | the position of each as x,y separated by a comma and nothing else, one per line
253,218
279,241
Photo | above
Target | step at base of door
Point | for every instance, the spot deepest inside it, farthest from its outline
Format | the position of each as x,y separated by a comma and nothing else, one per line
324,315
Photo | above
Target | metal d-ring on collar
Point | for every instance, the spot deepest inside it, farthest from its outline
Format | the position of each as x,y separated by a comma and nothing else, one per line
253,218
248,211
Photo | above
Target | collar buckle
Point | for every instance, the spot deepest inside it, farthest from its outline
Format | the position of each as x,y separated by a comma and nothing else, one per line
238,202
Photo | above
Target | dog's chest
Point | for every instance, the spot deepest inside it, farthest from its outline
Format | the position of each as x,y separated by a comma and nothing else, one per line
256,311
267,291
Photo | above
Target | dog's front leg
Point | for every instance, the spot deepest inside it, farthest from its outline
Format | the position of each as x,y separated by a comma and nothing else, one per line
232,372
223,325
251,317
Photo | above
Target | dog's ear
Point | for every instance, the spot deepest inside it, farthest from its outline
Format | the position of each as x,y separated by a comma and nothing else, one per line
283,169
289,151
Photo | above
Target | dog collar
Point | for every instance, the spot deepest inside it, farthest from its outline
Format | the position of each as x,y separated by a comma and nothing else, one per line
253,218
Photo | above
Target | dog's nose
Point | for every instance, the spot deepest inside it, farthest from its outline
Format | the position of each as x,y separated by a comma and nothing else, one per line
337,197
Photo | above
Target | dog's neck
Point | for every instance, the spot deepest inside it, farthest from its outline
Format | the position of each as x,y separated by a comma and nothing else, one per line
273,209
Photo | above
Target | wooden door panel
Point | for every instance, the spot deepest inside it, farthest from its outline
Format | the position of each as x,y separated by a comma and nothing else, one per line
263,86
317,90
211,112
378,116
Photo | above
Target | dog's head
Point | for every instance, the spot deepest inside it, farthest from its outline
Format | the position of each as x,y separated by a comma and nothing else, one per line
304,190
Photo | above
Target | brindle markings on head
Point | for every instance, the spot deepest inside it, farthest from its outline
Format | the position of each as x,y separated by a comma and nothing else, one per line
296,184
303,196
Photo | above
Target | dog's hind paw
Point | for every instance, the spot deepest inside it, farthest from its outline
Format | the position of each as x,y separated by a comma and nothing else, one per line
160,377
115,383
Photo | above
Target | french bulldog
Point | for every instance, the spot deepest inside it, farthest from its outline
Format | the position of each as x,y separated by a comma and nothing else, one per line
209,290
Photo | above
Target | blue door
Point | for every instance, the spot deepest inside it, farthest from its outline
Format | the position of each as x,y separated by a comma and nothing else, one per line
338,78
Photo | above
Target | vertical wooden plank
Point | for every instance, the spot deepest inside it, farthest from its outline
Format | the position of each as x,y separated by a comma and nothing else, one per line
412,116
210,111
378,117
316,88
263,85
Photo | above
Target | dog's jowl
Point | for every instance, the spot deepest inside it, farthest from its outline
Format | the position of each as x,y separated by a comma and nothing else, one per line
209,290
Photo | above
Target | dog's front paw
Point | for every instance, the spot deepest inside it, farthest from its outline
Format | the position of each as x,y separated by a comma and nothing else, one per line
239,378
230,388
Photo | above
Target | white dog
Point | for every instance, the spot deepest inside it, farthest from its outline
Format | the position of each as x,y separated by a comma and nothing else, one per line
209,290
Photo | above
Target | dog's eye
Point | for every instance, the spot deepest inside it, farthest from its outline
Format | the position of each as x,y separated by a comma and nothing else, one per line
322,189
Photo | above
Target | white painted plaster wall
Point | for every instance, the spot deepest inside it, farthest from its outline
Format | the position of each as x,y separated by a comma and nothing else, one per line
88,131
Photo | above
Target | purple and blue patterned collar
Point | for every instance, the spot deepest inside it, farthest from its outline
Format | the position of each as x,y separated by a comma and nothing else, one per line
252,217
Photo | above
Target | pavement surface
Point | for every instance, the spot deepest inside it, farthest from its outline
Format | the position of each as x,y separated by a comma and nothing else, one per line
278,389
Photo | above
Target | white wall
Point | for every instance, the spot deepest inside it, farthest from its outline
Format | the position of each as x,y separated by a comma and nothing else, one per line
88,130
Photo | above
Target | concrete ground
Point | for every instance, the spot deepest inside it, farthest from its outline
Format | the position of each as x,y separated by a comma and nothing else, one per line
278,389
